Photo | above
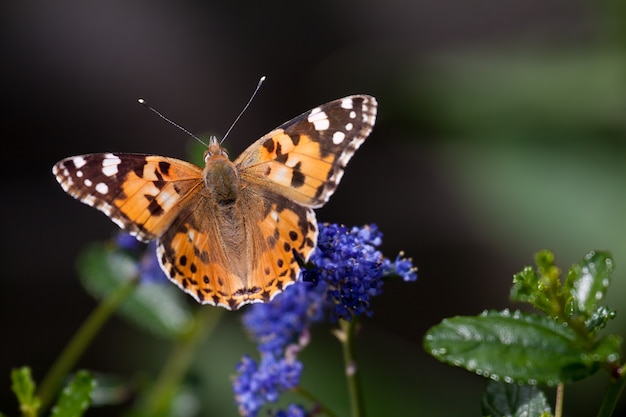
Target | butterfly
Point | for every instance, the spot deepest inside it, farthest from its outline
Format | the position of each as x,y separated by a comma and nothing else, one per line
235,232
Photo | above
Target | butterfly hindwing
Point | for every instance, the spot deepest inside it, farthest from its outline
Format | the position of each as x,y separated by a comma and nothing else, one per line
244,253
304,158
140,193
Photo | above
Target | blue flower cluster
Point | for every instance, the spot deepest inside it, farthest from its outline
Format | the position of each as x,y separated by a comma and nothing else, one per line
353,270
256,385
345,271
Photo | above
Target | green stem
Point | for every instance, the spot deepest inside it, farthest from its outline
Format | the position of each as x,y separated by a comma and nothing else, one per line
612,393
51,383
348,329
158,400
312,398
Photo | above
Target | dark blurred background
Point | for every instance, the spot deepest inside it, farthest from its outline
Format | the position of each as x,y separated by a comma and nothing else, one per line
501,131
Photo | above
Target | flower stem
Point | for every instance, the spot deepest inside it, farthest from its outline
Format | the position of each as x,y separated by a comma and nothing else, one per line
612,393
52,381
348,330
157,401
560,392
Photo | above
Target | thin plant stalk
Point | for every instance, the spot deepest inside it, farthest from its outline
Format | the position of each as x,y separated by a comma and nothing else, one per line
612,393
348,330
158,400
560,393
66,361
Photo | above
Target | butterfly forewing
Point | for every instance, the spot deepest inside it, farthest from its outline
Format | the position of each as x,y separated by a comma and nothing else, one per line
304,158
140,193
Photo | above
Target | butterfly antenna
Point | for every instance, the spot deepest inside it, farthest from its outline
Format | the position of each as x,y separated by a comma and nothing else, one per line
244,108
143,103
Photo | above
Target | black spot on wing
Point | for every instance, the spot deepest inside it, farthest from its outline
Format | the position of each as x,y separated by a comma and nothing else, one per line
154,207
297,177
269,145
164,167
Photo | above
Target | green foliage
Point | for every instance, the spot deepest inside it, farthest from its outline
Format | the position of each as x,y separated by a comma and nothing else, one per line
514,400
23,387
577,300
158,309
75,397
514,347
522,348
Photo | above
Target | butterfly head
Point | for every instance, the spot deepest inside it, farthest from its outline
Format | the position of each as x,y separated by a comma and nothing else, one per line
214,150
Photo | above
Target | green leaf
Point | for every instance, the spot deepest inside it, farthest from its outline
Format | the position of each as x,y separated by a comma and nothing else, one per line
514,347
588,281
528,288
599,319
159,309
608,349
540,287
514,400
24,388
75,397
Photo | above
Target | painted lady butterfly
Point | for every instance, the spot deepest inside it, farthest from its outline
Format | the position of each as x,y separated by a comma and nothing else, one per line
236,232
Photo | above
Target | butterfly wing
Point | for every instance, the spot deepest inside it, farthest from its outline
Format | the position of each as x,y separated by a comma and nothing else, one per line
142,194
241,254
304,158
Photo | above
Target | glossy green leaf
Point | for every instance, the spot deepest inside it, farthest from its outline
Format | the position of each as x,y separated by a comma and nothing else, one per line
23,387
599,319
513,347
588,281
159,309
75,397
501,399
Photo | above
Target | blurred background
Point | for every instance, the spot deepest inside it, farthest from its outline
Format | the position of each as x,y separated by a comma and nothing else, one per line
501,131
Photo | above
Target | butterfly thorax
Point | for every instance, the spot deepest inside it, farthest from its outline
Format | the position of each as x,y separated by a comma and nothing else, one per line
220,175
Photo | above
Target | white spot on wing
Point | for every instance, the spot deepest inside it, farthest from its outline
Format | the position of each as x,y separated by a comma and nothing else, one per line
87,182
349,126
109,165
79,161
347,103
319,119
102,188
338,137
